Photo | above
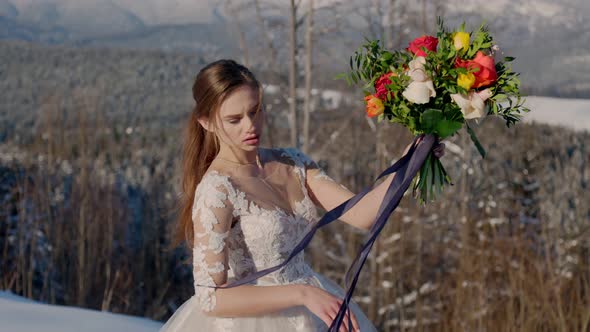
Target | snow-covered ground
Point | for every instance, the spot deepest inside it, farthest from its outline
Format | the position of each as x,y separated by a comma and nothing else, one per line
18,314
572,113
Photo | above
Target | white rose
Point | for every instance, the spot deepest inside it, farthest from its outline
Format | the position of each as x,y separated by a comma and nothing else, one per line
421,88
417,63
419,92
473,104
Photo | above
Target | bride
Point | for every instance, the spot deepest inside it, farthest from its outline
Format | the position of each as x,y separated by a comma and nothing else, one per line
245,208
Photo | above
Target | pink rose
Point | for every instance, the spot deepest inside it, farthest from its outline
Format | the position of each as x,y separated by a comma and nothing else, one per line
428,42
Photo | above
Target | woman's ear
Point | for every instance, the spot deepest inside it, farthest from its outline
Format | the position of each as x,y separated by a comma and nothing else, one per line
205,123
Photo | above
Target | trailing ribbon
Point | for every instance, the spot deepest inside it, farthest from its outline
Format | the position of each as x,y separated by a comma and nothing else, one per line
400,184
406,167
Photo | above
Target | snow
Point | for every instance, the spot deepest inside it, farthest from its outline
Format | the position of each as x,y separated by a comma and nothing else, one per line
567,112
19,314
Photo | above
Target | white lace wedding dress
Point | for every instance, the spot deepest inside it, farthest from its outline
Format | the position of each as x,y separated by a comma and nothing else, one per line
245,221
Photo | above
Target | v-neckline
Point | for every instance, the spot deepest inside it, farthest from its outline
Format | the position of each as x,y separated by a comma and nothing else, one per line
291,213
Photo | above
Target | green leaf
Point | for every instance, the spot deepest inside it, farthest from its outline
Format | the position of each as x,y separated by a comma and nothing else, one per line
480,148
430,118
428,184
340,76
437,177
445,128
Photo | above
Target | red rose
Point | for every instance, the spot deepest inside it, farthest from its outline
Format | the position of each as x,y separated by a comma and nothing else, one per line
428,42
381,86
486,74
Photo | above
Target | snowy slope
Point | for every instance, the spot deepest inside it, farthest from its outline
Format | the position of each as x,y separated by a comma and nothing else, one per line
571,113
18,314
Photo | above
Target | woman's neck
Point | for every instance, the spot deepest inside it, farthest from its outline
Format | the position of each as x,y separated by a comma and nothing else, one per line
238,156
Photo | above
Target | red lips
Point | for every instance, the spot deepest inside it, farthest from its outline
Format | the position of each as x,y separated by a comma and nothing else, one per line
250,137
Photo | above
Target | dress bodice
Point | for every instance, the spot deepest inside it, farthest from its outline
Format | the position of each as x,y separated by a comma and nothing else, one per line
265,237
245,223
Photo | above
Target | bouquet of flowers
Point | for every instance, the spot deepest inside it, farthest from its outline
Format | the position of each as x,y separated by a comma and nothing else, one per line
435,86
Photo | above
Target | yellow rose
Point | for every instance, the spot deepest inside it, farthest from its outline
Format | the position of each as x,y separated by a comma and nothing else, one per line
466,81
461,40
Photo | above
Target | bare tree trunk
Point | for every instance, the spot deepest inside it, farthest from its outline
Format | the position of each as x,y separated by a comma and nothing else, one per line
293,76
424,18
440,7
275,78
241,35
388,29
308,73
264,31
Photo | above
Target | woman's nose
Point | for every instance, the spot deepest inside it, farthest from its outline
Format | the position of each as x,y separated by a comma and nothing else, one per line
249,123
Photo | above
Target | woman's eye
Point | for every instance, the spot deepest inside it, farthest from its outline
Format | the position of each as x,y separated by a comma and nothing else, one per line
233,121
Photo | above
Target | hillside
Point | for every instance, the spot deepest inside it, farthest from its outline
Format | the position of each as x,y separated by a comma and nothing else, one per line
549,39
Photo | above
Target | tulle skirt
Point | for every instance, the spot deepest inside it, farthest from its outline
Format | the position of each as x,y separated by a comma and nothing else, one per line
188,317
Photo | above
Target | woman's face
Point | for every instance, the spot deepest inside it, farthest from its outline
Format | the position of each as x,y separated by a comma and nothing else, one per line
239,119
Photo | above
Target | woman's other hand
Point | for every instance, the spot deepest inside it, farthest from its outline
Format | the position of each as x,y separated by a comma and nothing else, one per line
326,307
439,149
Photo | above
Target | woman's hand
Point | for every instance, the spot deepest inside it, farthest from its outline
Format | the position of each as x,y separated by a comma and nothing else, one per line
438,149
326,306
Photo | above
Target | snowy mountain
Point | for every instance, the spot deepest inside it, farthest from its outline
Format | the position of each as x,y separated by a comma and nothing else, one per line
179,25
549,39
19,314
151,12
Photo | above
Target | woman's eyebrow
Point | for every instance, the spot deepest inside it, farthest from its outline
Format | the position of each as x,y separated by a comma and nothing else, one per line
237,115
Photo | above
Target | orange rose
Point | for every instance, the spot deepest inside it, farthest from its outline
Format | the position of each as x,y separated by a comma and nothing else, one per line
486,74
374,105
428,42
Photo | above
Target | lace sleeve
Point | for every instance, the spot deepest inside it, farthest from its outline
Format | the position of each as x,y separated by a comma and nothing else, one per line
312,169
212,216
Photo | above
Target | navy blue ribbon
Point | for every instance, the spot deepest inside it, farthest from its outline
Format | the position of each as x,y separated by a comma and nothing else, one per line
406,167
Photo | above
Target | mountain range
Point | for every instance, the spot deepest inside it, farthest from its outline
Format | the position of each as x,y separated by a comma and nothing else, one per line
549,39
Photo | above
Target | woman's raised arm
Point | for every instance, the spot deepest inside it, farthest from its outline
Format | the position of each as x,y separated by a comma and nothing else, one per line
328,194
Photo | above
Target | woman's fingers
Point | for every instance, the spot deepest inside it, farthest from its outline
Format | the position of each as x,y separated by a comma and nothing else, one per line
342,326
327,319
349,314
346,319
438,150
332,315
355,324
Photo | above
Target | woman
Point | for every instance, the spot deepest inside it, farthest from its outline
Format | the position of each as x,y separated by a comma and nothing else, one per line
245,207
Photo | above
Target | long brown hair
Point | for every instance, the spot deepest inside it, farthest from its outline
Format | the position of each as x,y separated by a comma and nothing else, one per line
213,84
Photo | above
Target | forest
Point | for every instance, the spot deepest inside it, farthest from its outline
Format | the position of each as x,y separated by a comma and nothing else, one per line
90,153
